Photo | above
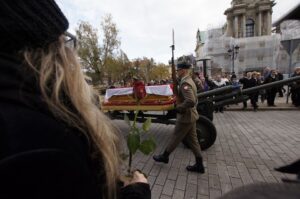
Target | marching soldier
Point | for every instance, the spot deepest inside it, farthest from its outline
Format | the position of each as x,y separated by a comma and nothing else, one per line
185,128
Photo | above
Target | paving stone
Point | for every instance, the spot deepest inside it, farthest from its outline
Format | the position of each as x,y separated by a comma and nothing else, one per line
244,173
204,176
165,197
191,191
192,178
214,181
203,187
176,163
212,159
155,170
162,177
151,180
223,174
181,182
173,173
256,175
233,171
202,197
168,188
212,169
236,182
147,168
266,173
214,193
249,163
178,194
156,191
226,188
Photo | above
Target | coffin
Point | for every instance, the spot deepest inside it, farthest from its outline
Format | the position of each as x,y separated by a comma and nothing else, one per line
158,98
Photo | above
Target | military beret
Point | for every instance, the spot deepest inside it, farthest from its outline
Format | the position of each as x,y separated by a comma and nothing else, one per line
183,63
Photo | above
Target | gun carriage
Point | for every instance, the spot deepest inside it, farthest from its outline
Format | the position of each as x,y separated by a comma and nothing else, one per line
160,108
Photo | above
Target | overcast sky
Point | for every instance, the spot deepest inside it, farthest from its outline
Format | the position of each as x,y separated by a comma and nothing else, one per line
146,25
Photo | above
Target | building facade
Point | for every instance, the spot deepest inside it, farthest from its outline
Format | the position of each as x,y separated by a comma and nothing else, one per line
249,26
249,18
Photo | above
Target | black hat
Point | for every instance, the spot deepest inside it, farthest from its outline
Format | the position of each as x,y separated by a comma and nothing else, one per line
32,24
183,63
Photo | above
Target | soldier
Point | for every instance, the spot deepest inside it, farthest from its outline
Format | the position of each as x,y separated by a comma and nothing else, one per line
198,82
185,128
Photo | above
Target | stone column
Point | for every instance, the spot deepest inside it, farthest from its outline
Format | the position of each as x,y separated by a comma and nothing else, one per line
269,23
244,25
259,24
236,26
229,32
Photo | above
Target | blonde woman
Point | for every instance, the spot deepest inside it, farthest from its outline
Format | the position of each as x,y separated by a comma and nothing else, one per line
54,142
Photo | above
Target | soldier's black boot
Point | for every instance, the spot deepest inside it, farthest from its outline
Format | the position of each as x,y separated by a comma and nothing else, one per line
162,157
197,167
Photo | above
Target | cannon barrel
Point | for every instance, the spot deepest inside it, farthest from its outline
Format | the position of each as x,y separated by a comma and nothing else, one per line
231,101
227,95
226,98
218,91
270,85
232,91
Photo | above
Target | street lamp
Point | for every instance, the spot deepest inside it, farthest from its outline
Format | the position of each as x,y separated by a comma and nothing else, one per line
233,52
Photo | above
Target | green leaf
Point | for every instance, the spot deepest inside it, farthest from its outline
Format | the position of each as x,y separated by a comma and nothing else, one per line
147,146
147,124
133,142
126,119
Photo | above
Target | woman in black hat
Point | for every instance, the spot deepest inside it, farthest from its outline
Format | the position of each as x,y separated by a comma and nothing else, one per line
54,142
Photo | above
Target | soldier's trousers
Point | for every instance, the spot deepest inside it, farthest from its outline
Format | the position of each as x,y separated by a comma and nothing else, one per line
185,132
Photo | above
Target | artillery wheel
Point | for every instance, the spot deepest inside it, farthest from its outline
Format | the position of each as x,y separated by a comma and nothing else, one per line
206,132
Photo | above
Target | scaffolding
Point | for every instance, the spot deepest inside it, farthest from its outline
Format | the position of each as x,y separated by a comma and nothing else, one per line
254,52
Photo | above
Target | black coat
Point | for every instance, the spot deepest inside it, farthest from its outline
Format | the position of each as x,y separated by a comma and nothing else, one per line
271,79
40,156
246,82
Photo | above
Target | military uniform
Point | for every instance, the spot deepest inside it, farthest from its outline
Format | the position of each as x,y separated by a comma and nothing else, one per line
187,116
199,84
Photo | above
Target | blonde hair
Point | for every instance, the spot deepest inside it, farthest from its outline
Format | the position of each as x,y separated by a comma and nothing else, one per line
71,99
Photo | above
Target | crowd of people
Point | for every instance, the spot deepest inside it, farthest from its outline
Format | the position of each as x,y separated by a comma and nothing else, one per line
252,79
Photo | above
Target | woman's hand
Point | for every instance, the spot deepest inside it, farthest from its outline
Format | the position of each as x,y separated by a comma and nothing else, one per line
137,177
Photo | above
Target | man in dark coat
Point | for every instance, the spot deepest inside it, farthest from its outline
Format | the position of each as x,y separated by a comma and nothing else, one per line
295,88
246,84
254,96
271,92
280,88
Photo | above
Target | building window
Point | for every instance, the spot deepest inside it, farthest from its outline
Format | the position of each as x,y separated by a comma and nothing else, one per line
249,28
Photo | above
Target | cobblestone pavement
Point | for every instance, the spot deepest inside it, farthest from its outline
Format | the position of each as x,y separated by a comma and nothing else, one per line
248,146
